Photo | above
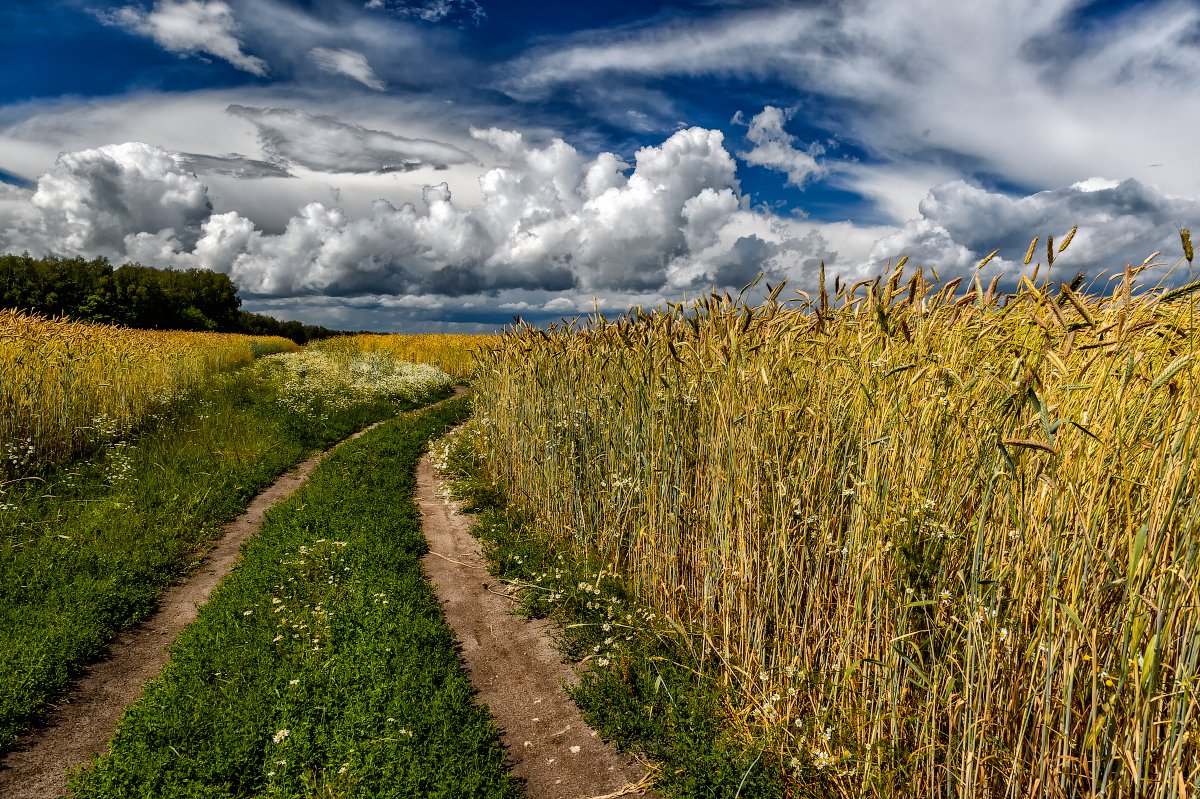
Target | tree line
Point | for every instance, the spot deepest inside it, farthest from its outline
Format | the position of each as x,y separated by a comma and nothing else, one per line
137,296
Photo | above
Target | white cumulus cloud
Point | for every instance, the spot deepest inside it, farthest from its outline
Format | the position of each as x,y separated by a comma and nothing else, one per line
555,229
550,220
92,199
192,26
350,63
775,148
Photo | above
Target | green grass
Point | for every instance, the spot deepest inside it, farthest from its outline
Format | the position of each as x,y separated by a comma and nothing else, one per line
86,550
645,685
327,629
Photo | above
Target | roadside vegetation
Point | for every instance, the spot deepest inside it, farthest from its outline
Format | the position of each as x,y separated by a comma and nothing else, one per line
928,538
69,386
86,547
643,685
322,665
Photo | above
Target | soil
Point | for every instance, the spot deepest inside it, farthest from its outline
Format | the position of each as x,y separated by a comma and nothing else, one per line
514,665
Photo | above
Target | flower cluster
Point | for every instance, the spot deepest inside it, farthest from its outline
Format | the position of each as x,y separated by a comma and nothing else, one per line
314,383
118,462
19,455
305,623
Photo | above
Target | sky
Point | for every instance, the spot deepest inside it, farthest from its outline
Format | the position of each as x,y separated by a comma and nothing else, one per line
446,165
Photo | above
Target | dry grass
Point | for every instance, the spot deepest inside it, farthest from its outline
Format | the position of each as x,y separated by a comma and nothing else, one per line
943,541
66,385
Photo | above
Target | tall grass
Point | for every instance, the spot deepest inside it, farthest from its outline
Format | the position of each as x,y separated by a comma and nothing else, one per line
941,541
450,352
65,385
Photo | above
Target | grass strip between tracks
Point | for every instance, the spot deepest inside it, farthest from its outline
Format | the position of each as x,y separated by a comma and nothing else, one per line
322,666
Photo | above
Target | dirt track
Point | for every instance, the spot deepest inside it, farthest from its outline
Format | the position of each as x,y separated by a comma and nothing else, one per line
513,663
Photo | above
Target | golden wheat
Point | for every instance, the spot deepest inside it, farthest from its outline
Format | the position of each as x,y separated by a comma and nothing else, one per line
453,353
64,385
943,543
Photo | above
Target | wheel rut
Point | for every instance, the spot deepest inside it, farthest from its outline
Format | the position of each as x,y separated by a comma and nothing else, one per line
514,665
511,661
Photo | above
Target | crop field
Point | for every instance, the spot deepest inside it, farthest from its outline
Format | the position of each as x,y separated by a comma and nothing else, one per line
454,354
936,539
69,385
902,538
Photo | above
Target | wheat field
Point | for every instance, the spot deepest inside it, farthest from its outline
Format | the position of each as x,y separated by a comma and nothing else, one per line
66,385
453,353
939,537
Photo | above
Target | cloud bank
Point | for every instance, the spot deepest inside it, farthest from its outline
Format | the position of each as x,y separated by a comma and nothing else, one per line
233,165
553,227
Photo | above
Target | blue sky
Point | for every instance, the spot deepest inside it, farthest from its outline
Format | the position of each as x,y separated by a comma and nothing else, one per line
446,164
